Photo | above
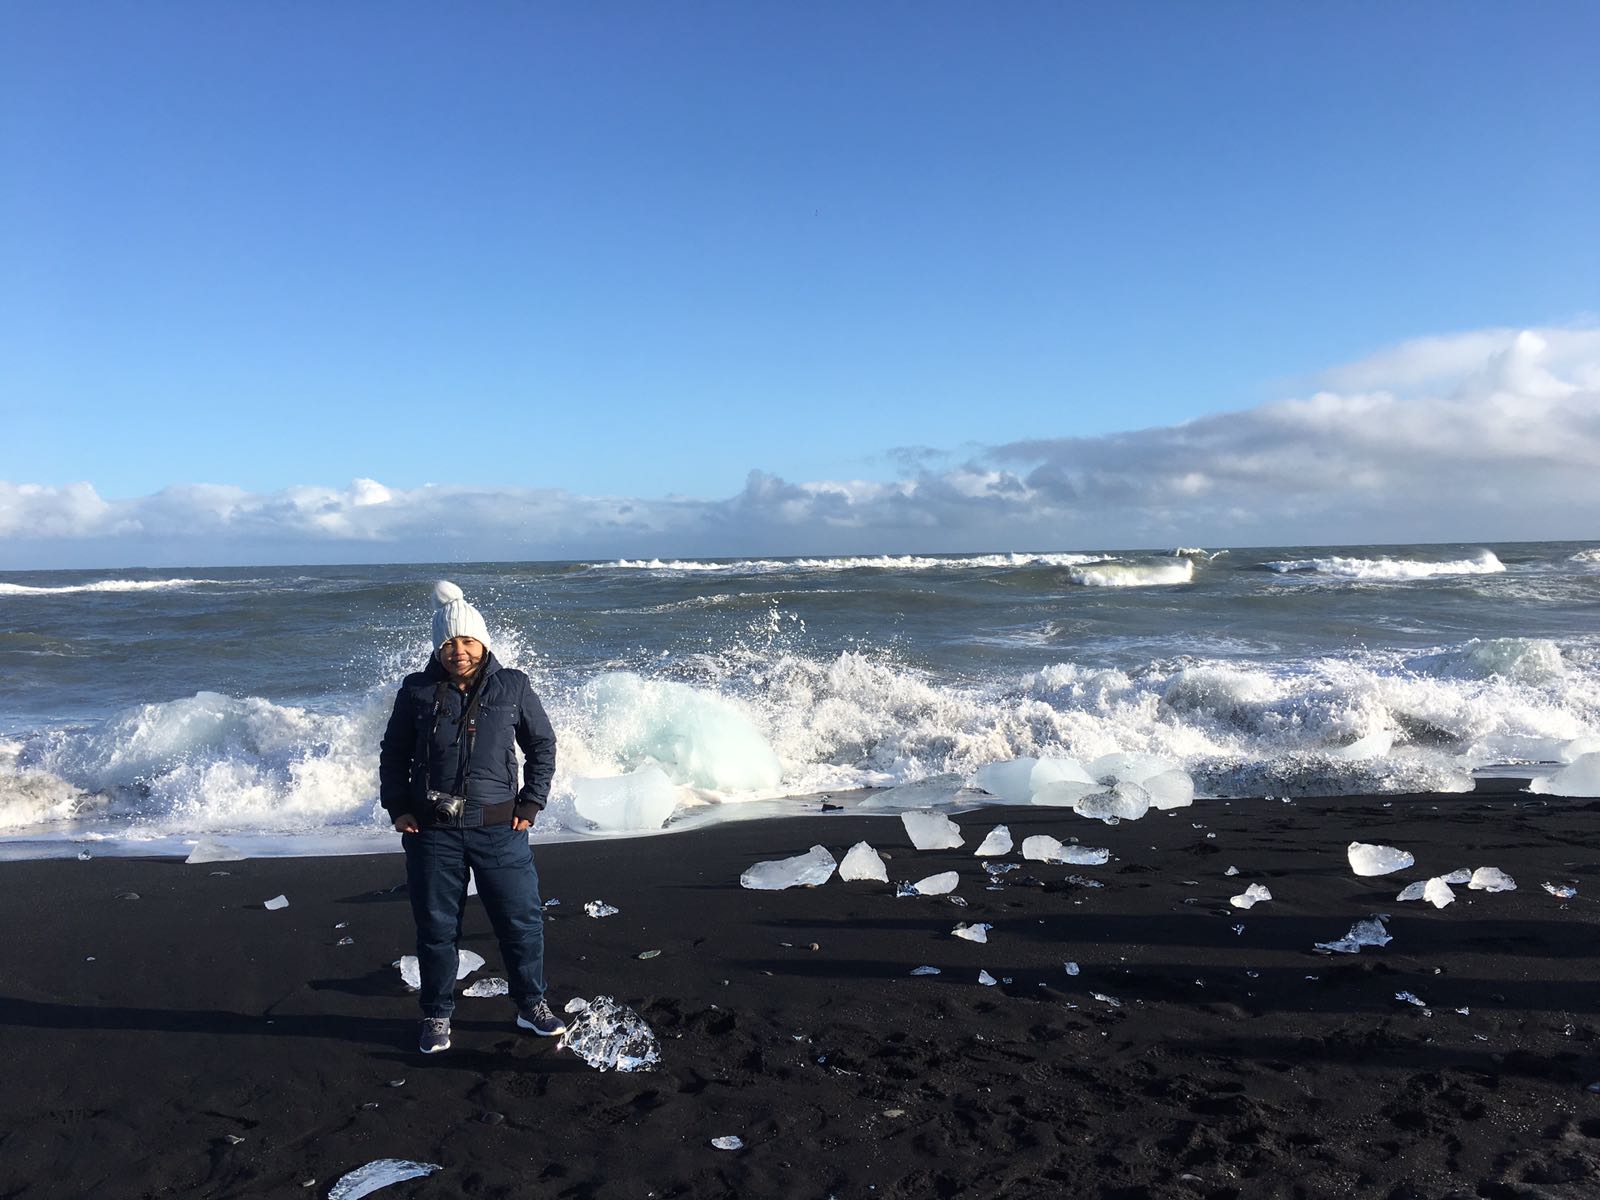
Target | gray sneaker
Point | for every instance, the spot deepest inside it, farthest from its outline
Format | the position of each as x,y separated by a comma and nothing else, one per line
435,1035
538,1017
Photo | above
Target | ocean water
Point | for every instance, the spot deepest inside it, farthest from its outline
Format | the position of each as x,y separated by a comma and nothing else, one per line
140,710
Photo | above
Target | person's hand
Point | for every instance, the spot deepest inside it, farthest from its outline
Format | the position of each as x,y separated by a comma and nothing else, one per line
405,823
519,824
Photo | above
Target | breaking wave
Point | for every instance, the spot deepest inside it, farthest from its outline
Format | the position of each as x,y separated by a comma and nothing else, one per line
1149,573
1483,563
883,562
104,585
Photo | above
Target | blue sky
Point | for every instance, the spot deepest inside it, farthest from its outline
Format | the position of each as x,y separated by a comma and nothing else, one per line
642,250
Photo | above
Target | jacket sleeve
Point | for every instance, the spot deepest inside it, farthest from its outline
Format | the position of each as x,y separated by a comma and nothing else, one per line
395,755
537,738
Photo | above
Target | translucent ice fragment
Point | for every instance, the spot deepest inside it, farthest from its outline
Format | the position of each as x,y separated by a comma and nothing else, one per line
1580,777
861,861
1105,999
576,1004
1082,856
611,1036
1231,871
487,987
978,931
643,799
1130,768
987,979
1459,876
924,793
1410,998
1041,847
363,1181
1072,968
1064,793
931,831
1010,781
1491,879
1169,789
1561,891
599,908
276,903
1370,932
998,841
1413,891
410,973
347,941
467,961
936,885
925,970
206,851
810,869
1124,802
1368,859
1251,896
732,1142
1437,892
1058,770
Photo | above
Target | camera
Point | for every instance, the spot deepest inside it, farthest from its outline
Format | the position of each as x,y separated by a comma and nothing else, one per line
447,808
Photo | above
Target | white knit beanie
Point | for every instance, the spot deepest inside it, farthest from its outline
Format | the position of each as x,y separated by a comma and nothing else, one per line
455,617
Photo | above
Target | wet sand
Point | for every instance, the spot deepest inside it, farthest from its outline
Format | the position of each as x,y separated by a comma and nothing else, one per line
192,1043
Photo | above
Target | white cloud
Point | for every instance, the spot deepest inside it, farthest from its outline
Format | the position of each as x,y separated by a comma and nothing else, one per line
1485,435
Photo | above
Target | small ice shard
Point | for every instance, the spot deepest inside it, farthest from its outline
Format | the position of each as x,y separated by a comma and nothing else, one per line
1561,891
599,908
648,954
987,979
488,987
84,856
1041,847
1491,879
1413,891
472,883
996,870
276,903
978,931
611,1036
811,869
211,852
467,962
1231,871
1082,856
643,799
1459,876
924,793
1368,859
931,831
347,941
1238,931
1410,998
1105,999
905,888
1437,892
862,862
997,842
576,1004
934,885
732,1142
363,1181
1072,968
1251,896
925,970
1370,932
1169,790
958,901
1010,781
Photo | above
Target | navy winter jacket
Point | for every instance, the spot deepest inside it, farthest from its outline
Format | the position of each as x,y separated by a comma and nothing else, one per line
423,749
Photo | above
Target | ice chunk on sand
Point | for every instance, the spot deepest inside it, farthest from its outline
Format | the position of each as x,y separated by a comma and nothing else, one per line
732,1142
206,851
1251,896
987,979
1059,770
1370,932
467,961
1071,967
1437,892
1169,790
933,885
611,1036
599,908
363,1181
641,800
1411,998
931,831
1041,847
472,883
276,903
810,869
1124,802
978,931
863,862
1580,777
997,842
925,970
1010,781
1064,793
488,987
1458,876
1491,879
1369,859
1561,891
1413,891
924,793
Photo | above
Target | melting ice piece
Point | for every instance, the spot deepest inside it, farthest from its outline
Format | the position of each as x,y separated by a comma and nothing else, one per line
1410,998
732,1142
209,852
1041,847
641,800
987,979
863,862
1010,781
488,987
599,908
363,1181
1124,802
998,841
811,869
1561,891
934,885
978,931
1437,892
925,970
924,793
276,903
1413,891
1368,859
1459,876
1251,896
1580,777
1491,879
931,831
611,1036
1072,968
1370,932
1169,790
576,1004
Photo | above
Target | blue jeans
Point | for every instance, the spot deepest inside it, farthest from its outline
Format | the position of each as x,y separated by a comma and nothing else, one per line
437,860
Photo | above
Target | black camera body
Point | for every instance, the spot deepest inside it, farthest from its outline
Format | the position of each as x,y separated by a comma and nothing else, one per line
447,807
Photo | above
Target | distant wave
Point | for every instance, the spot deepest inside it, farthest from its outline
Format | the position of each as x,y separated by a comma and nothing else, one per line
1588,558
1485,563
1114,573
883,562
104,585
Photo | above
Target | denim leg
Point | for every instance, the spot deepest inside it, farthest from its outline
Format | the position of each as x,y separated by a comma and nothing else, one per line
502,861
436,879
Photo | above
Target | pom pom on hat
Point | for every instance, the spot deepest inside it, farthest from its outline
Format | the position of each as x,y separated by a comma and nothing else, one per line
454,617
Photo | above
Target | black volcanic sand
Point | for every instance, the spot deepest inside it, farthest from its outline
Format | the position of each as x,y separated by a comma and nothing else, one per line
192,1043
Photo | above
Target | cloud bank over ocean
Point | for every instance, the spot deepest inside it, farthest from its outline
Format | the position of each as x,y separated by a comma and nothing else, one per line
1493,434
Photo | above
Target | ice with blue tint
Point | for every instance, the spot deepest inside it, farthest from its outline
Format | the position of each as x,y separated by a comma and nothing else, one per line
641,800
383,1172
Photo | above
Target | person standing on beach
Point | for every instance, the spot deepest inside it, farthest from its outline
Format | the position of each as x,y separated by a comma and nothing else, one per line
448,780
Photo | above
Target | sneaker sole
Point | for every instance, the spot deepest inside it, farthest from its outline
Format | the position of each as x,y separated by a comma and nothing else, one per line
557,1032
433,1049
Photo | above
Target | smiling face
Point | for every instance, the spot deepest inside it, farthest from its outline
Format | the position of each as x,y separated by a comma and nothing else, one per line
461,657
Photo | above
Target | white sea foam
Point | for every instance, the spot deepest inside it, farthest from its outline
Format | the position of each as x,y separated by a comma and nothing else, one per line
886,562
1483,563
105,585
